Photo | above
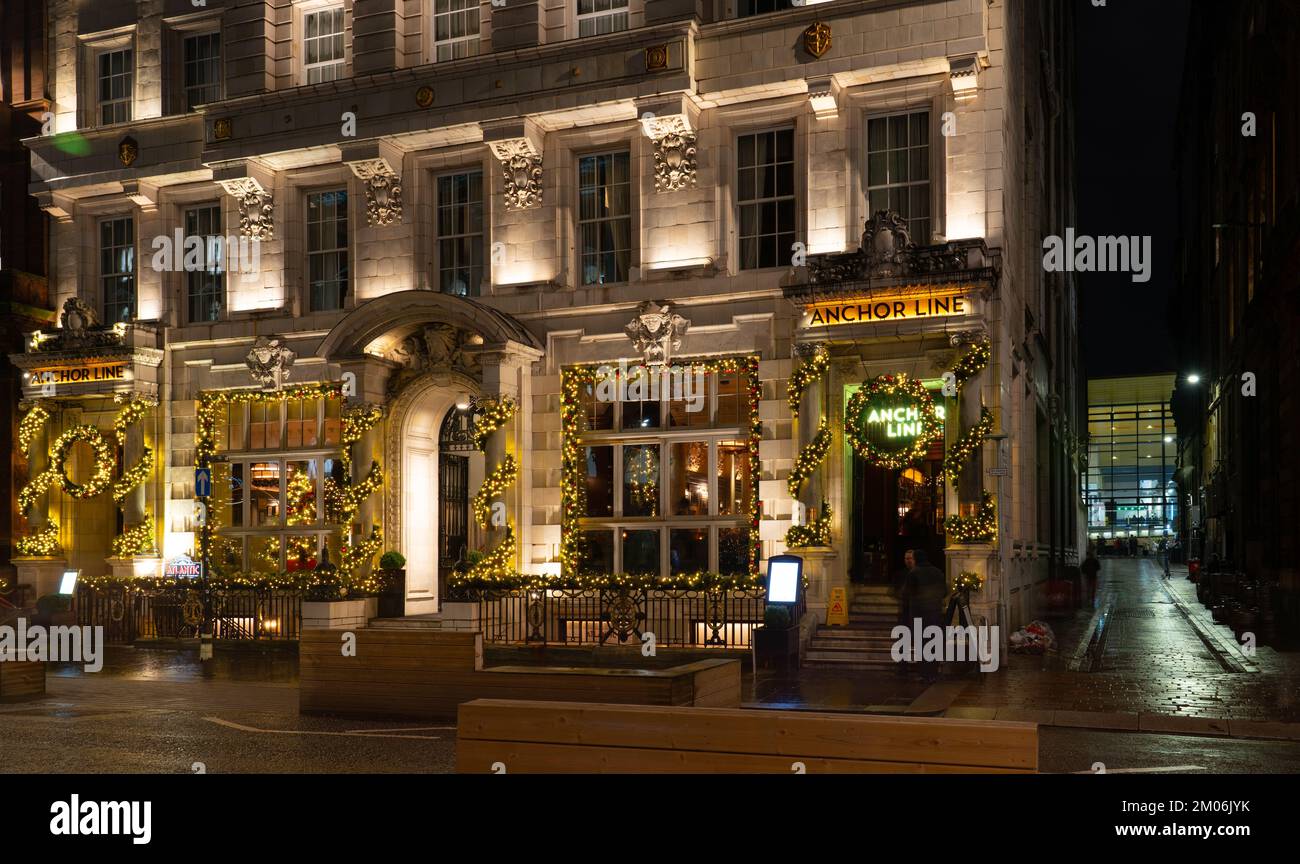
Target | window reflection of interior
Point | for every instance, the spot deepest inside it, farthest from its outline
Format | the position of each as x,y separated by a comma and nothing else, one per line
686,472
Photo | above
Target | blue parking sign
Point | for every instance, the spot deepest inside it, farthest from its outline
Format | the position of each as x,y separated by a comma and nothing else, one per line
202,482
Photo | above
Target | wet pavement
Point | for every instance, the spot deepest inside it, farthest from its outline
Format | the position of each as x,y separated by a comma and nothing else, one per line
1159,664
1154,660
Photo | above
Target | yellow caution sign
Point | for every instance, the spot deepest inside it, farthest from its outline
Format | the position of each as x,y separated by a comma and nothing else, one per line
837,613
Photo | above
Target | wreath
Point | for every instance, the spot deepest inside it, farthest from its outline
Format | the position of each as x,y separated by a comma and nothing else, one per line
891,385
101,478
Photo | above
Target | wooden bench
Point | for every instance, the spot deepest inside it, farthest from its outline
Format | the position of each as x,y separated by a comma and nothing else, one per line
428,673
574,738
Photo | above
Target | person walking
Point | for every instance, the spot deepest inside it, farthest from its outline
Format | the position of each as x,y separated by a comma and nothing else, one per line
1090,567
924,590
901,592
1164,555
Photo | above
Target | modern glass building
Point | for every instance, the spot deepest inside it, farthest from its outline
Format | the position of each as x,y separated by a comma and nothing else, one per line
1132,454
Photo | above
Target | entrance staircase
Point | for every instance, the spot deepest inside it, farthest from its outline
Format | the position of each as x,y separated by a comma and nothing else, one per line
865,642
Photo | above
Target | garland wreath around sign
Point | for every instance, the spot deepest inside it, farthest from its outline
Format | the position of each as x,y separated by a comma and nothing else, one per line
981,527
573,497
497,565
891,385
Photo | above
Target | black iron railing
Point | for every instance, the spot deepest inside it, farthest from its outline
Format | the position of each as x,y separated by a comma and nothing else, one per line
128,613
678,618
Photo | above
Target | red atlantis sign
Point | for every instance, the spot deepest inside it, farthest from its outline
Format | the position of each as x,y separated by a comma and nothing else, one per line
183,567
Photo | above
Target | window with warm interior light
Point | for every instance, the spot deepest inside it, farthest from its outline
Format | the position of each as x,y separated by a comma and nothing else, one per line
271,492
668,489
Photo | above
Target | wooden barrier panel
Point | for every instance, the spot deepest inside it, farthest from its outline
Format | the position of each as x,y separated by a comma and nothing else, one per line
22,678
560,737
428,674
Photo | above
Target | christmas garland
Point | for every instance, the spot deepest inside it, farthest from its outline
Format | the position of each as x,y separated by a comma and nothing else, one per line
808,373
965,446
702,581
343,500
891,385
495,484
495,569
809,458
573,499
44,542
980,528
137,540
30,426
967,581
491,415
28,494
353,557
973,361
101,477
816,533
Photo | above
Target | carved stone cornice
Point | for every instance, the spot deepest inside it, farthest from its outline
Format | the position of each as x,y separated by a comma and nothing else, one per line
256,206
383,189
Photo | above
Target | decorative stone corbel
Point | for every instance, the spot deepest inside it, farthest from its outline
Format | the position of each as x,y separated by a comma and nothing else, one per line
59,207
823,96
383,187
256,205
517,145
671,123
143,195
963,71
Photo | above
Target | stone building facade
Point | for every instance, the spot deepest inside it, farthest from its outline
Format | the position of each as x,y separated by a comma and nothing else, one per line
1235,318
438,204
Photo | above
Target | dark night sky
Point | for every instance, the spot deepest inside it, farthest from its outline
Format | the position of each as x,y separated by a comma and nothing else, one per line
1130,67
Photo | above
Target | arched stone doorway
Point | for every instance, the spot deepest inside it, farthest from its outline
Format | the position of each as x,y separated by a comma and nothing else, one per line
414,498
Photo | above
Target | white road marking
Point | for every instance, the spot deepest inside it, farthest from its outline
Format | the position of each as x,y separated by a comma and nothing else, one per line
242,728
1157,770
402,729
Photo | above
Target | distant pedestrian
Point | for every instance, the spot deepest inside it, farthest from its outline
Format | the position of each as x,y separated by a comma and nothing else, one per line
923,594
1164,556
1090,568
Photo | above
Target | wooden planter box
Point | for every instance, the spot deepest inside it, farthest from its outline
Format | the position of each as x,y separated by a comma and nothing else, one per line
776,646
22,679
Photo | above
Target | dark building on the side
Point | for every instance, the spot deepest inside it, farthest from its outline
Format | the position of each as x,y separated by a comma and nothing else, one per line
24,297
1236,317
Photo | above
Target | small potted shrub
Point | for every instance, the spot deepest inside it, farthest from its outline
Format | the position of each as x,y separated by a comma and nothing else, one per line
55,610
392,597
328,601
778,639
